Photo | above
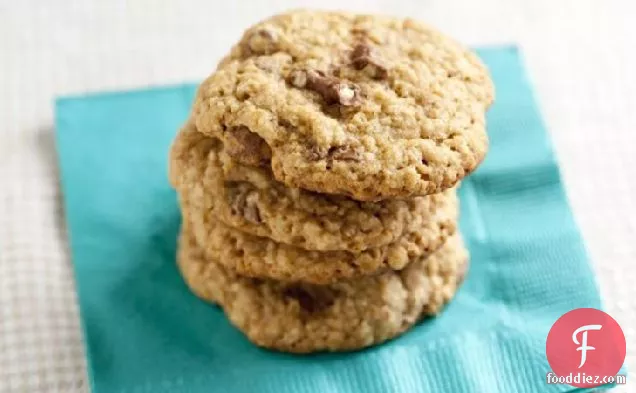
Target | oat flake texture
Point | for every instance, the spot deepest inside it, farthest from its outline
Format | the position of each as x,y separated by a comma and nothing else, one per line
365,106
345,315
251,200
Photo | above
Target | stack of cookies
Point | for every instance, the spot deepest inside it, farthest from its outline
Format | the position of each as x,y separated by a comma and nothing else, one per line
317,178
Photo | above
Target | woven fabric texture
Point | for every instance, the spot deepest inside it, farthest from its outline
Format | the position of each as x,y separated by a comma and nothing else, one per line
577,53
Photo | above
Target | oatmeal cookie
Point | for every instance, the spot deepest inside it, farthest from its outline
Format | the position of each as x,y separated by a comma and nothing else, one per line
365,106
346,315
250,199
262,257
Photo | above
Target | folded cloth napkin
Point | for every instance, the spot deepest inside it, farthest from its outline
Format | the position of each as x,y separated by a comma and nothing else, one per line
145,332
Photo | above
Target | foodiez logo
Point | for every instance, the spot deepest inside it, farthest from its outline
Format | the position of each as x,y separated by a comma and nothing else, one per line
573,358
584,348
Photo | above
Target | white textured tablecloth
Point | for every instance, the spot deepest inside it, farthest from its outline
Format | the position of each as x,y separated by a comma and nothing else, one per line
580,56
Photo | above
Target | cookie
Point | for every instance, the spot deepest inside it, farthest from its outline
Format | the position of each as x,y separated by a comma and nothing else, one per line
262,257
346,315
250,199
364,106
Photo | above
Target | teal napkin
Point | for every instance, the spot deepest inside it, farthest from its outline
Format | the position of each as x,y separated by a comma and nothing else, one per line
146,333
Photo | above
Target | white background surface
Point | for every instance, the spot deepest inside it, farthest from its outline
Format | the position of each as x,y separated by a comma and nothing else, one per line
579,55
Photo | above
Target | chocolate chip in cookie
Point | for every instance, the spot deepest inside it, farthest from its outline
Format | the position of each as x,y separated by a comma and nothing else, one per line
310,300
331,89
337,316
364,58
392,86
345,153
247,147
335,153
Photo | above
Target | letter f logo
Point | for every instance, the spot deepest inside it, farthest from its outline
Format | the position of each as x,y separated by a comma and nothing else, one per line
584,347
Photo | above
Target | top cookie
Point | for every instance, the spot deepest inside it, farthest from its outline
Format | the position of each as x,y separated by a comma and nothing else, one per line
364,106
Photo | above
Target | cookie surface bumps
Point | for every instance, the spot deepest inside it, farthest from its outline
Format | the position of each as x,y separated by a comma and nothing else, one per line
365,106
250,199
347,315
262,257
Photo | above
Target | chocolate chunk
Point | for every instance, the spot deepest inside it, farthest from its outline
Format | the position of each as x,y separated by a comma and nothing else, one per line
345,153
332,90
364,58
244,203
360,56
310,299
247,147
339,153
